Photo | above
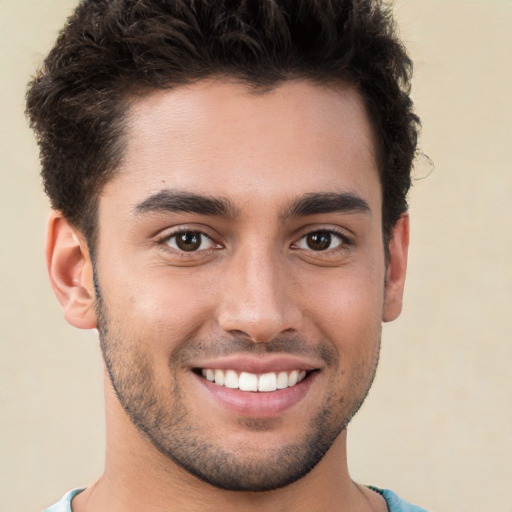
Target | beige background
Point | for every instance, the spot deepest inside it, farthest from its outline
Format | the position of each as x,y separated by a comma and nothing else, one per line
437,427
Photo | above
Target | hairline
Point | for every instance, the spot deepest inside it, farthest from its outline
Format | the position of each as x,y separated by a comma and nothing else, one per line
131,93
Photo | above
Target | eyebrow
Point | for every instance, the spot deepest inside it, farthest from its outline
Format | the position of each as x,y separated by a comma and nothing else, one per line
309,204
315,203
177,201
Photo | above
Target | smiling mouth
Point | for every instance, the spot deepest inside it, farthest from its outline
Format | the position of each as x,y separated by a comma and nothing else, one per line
245,381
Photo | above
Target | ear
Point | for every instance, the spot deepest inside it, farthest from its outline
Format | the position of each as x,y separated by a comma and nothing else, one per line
70,270
395,272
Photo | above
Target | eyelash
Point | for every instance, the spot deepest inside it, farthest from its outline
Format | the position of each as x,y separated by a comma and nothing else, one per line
165,242
344,242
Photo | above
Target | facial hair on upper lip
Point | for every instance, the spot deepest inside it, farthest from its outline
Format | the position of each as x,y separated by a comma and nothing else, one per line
163,416
218,347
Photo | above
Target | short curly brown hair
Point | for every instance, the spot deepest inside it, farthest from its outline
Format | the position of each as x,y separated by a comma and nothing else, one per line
112,49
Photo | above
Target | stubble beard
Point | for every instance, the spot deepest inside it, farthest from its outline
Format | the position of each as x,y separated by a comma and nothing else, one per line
174,434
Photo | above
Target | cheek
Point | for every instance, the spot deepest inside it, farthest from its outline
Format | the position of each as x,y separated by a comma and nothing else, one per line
346,308
159,306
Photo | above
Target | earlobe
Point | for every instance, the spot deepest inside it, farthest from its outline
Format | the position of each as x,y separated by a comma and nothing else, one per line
396,270
70,270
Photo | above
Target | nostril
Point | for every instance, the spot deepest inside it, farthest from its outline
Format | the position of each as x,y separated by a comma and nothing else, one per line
259,321
238,333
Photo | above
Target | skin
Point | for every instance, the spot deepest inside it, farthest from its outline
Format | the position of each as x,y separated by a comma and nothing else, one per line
254,287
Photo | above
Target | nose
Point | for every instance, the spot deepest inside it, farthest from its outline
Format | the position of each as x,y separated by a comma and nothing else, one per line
259,297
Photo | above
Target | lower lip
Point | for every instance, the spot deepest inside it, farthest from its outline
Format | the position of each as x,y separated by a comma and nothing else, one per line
258,404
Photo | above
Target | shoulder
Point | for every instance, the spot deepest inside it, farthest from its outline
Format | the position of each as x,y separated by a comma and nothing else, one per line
64,505
395,503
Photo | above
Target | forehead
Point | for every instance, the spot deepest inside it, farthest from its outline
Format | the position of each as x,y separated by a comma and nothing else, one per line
223,138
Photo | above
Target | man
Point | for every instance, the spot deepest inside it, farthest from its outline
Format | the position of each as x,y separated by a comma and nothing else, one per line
228,182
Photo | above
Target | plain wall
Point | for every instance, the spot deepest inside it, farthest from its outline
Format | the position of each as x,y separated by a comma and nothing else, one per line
437,426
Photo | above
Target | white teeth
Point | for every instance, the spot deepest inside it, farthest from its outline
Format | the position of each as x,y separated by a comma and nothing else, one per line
231,380
219,377
282,380
267,382
246,381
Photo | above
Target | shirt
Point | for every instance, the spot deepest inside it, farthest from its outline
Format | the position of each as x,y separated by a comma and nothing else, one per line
395,504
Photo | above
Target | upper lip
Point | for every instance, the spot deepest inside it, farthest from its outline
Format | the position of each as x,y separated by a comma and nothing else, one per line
258,365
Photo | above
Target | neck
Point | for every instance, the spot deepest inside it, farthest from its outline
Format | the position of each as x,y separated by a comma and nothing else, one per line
138,477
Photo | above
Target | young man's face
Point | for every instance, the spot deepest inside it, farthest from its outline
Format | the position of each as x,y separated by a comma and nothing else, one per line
241,241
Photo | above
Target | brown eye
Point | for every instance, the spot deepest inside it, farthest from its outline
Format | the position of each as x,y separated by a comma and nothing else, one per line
320,241
189,241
